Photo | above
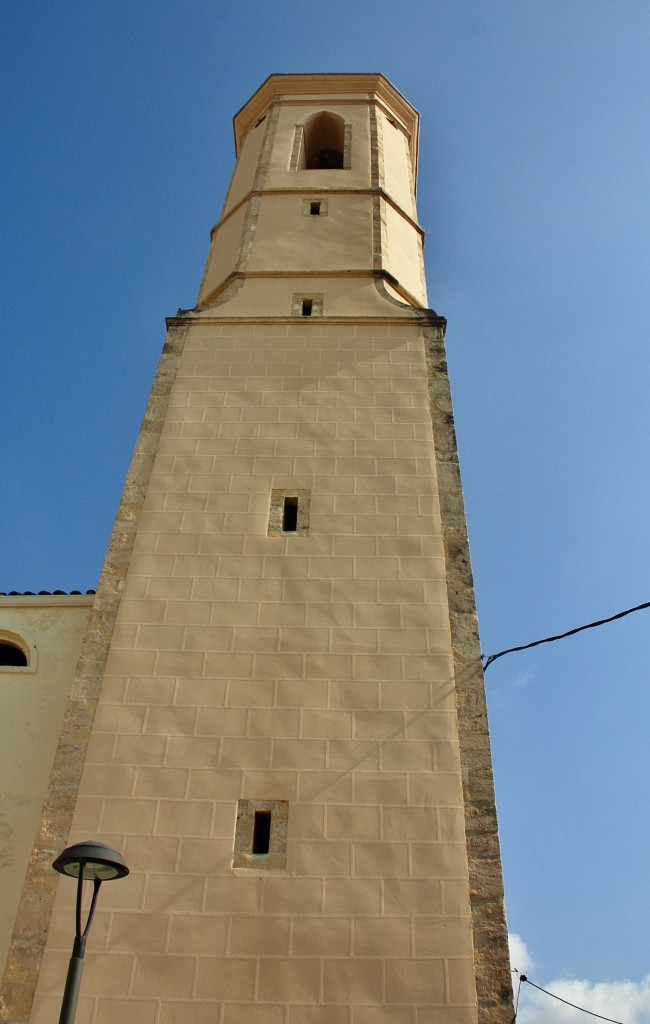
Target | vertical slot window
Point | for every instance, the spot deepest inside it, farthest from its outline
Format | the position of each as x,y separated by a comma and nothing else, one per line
307,304
290,515
262,833
314,207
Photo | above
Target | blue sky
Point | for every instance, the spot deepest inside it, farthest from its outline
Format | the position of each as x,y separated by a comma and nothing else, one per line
534,194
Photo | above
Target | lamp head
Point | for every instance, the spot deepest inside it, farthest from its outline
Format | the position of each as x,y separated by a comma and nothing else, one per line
91,860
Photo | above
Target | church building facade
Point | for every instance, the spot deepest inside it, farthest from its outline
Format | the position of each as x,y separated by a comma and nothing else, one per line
278,716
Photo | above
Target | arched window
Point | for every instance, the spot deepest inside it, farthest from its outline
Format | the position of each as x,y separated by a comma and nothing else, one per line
324,142
11,655
16,652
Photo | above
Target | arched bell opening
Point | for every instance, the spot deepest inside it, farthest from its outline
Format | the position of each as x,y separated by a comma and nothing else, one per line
324,142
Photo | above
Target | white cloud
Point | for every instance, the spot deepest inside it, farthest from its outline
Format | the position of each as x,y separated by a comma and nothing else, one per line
524,679
624,1001
520,958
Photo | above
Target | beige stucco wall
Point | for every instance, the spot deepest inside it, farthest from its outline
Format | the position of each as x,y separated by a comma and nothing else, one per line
243,181
32,700
224,250
289,240
398,177
315,670
402,254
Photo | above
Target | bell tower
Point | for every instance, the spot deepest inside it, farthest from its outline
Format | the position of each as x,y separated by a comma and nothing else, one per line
321,206
279,716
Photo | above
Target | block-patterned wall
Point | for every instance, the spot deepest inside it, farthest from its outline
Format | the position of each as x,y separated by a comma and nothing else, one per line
316,670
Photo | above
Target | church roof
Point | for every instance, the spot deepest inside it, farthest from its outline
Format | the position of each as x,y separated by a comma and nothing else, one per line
46,593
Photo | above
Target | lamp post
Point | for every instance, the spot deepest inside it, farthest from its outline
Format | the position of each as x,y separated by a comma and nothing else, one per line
101,864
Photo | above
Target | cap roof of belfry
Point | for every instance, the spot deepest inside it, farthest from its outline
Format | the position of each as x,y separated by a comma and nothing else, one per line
329,86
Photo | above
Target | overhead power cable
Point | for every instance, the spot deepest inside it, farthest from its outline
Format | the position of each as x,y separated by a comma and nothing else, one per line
560,636
522,977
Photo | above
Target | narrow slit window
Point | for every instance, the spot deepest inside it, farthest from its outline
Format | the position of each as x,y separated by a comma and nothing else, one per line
290,515
261,836
262,832
307,304
314,207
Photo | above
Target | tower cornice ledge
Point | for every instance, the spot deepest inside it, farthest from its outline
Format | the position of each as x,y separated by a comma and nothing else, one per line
380,276
185,317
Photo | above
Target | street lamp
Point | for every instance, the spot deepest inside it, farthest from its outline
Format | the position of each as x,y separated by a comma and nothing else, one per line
84,860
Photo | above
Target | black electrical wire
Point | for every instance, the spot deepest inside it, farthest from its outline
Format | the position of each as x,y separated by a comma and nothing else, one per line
591,1013
560,636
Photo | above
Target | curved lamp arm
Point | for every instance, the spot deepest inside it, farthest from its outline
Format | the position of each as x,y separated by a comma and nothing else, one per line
99,863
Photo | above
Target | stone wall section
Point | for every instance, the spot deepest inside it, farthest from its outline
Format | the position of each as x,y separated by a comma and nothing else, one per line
376,184
50,630
490,937
296,148
313,670
347,147
34,912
